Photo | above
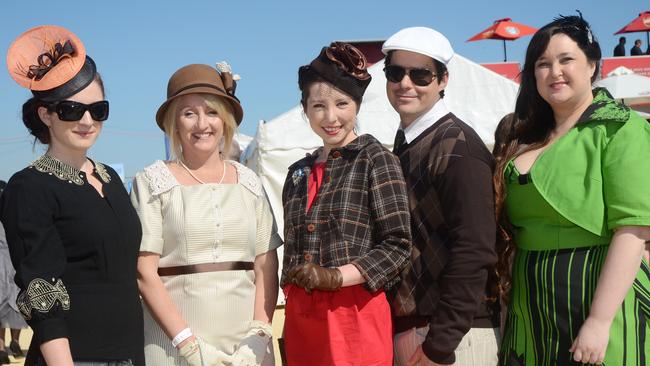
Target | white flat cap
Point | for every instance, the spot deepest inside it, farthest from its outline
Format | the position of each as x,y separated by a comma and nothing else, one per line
421,40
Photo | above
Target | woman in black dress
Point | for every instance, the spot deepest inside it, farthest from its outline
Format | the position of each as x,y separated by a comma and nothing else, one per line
72,233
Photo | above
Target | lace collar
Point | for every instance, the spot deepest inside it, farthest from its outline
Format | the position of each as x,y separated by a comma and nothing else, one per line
162,180
53,166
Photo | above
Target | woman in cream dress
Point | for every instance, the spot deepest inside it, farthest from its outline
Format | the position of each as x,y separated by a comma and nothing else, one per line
208,265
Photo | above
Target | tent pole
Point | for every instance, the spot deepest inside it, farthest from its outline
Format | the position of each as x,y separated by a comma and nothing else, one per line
505,54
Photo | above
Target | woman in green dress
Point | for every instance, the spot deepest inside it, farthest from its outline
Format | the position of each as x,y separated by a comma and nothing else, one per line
574,183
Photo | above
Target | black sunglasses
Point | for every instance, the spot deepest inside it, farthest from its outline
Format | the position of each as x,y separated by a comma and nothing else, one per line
419,77
71,111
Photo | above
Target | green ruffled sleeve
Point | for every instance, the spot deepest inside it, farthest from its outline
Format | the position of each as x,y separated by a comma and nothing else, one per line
626,174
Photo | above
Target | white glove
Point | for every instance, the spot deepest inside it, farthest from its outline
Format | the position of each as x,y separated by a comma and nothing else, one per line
254,346
199,353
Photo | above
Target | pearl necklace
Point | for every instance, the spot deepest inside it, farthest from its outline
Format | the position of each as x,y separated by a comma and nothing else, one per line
197,179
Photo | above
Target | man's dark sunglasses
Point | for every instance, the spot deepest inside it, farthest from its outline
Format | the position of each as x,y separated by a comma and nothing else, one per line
71,111
419,77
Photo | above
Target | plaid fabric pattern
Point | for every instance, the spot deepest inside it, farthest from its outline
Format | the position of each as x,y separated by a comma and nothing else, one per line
359,216
448,172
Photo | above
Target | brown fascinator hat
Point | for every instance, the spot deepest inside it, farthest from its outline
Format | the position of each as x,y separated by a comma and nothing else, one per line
51,61
342,65
202,79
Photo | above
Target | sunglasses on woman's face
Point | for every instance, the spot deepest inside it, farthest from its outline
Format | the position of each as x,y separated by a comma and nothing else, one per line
71,111
419,77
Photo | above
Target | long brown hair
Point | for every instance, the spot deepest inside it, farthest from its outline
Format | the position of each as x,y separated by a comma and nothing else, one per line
532,124
505,145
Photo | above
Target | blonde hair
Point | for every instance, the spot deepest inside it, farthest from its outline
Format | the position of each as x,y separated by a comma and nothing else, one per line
225,112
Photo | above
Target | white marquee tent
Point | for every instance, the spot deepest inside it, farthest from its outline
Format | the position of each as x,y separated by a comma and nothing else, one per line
627,86
477,95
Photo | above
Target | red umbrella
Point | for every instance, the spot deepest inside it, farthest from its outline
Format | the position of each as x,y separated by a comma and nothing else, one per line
640,24
504,29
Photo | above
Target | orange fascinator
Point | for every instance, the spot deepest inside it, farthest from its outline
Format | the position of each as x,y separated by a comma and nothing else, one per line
46,57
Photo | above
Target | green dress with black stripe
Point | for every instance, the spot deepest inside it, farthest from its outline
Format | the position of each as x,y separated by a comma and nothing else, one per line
591,181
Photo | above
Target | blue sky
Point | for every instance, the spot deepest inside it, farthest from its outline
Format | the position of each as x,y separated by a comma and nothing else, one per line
137,45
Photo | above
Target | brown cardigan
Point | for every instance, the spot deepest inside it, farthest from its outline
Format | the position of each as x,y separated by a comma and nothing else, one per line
448,172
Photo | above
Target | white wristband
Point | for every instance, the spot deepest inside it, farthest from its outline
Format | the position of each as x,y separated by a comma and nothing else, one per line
181,336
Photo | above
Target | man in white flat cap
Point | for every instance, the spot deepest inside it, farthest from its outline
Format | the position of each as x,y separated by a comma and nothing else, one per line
442,310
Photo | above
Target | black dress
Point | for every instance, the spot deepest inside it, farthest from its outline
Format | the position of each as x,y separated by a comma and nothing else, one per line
75,255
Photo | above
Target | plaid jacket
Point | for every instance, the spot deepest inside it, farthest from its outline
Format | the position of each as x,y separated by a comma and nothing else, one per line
359,216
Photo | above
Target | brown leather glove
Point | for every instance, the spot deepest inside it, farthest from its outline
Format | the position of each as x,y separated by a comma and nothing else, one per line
312,276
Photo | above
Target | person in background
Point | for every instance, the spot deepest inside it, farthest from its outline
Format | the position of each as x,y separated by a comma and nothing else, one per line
14,331
636,50
14,346
573,184
619,50
208,268
9,314
72,233
445,310
346,225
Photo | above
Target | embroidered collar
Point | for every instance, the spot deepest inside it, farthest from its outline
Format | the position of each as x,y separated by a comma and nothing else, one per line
604,107
53,166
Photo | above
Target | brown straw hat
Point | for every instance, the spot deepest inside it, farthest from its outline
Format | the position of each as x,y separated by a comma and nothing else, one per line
45,57
203,79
